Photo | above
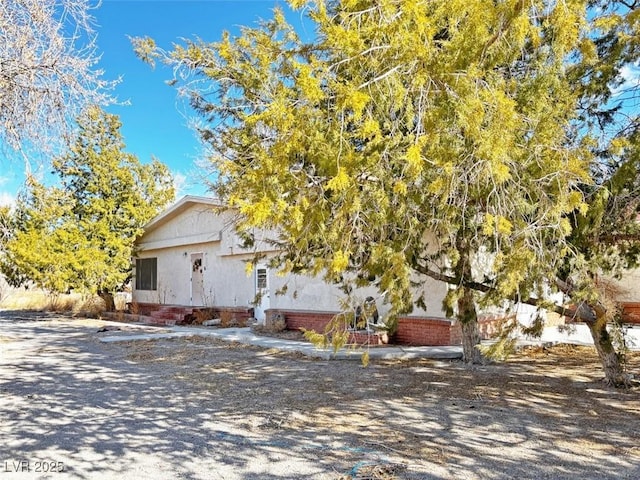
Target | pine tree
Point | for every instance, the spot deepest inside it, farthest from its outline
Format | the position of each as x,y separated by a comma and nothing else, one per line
412,139
79,234
404,122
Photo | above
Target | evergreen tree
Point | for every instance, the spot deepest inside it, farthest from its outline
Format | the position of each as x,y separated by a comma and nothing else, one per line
415,139
404,122
605,238
80,234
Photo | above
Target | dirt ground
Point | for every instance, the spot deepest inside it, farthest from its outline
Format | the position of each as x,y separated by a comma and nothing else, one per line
545,413
418,411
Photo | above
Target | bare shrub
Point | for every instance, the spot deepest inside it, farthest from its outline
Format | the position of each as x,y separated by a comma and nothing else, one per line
134,308
228,319
49,56
202,315
274,324
90,306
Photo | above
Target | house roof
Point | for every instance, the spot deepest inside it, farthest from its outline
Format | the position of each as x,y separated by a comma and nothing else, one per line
177,208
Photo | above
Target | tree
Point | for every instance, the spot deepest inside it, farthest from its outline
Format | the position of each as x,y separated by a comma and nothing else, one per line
47,70
409,139
80,234
607,235
5,233
403,120
5,230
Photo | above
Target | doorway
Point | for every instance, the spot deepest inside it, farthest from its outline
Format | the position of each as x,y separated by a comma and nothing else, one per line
262,293
197,280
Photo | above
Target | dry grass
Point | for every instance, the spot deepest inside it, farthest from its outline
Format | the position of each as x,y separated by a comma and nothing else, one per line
376,472
202,315
134,308
41,301
229,319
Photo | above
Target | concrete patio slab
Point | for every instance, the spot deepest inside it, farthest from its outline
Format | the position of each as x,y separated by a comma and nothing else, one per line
247,337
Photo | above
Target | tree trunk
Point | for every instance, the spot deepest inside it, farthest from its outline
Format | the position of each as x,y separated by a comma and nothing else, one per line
109,303
613,369
468,318
467,314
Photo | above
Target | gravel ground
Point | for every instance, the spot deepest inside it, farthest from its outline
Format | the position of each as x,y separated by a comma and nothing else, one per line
199,408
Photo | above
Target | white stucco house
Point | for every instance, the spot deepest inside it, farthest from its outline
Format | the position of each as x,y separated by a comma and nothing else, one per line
190,255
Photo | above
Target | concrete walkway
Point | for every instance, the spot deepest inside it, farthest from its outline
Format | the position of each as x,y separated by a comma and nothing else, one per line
246,336
575,335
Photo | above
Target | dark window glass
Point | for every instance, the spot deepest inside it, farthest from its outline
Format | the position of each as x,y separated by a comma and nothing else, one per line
146,273
262,278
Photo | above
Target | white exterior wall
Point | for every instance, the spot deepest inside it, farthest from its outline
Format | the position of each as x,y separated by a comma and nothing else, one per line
630,286
231,284
170,261
309,293
191,227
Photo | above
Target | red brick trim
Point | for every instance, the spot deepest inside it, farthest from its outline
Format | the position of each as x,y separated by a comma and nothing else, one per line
411,330
631,312
426,331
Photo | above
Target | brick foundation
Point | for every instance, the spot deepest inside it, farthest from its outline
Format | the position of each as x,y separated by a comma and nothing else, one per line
143,308
631,312
411,330
426,331
307,319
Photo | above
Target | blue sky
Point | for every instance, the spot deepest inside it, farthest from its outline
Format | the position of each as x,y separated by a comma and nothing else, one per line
152,123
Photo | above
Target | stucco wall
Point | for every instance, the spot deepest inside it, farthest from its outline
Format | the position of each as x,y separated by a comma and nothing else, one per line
630,286
193,229
306,293
196,229
184,226
231,285
173,282
225,282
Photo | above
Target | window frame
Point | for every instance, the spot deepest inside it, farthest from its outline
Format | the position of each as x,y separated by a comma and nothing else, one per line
147,274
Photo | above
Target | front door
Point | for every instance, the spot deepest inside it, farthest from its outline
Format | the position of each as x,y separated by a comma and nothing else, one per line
197,280
262,293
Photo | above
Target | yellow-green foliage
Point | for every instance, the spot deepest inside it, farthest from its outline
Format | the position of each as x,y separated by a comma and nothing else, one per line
335,334
405,120
79,234
504,341
396,99
501,349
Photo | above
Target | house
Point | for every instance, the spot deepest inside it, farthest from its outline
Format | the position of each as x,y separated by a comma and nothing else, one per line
190,257
629,286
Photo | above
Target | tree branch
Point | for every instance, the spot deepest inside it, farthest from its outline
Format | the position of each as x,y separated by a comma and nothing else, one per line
505,26
617,238
583,311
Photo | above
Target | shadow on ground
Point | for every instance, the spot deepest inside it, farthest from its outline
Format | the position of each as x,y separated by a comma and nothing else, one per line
199,408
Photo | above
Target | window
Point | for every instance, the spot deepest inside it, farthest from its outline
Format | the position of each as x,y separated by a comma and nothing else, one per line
261,278
146,273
